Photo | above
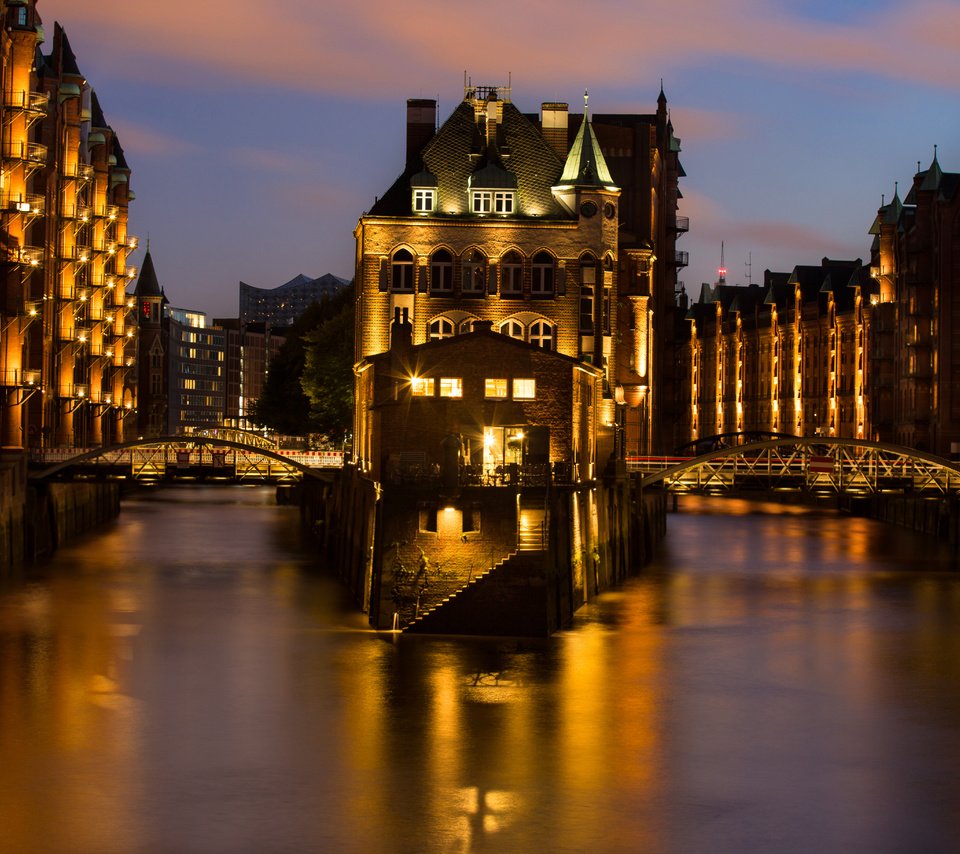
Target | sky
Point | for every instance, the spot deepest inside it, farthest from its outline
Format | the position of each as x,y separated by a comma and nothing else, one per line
258,133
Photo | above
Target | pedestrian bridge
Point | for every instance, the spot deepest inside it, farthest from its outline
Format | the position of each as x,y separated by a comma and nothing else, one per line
185,458
815,464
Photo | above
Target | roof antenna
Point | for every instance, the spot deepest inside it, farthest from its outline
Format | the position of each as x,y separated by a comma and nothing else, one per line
722,272
586,99
749,266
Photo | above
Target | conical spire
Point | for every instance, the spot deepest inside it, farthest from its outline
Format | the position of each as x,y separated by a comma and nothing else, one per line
147,284
931,181
585,164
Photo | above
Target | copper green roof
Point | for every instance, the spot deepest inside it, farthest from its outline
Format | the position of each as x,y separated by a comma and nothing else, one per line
585,164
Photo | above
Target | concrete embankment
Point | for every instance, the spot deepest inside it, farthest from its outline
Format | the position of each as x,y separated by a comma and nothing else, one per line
38,518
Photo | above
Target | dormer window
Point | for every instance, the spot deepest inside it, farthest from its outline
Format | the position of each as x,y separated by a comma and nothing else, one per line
424,201
503,202
481,201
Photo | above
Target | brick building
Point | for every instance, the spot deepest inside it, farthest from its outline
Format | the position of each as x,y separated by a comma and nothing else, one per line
915,351
66,349
501,217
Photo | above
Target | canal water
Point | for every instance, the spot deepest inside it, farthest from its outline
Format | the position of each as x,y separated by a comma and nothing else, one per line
190,680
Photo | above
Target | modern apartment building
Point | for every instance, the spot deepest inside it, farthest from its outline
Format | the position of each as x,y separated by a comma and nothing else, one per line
67,348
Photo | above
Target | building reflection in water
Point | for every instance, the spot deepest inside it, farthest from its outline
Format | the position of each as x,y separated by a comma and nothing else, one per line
189,681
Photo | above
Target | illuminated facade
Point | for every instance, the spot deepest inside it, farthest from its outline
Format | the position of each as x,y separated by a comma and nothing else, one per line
915,351
66,347
788,357
501,218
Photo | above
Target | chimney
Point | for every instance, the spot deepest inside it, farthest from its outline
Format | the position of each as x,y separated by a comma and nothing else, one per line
553,125
421,124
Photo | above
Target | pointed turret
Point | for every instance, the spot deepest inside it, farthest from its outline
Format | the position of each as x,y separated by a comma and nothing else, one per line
931,181
586,166
147,284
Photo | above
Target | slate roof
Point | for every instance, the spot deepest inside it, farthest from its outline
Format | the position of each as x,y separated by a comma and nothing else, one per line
585,164
458,150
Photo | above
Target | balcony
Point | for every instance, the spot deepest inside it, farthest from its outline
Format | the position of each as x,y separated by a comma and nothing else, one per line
681,225
23,378
25,152
29,256
80,171
30,102
111,212
80,254
132,241
681,259
28,204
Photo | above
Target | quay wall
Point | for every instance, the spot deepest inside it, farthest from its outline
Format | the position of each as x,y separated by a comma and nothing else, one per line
408,553
933,516
37,518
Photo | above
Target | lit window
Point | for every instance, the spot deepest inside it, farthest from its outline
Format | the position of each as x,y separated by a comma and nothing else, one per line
421,386
512,328
441,272
524,389
474,274
402,271
541,334
541,282
481,201
511,275
451,387
495,387
424,201
503,202
440,328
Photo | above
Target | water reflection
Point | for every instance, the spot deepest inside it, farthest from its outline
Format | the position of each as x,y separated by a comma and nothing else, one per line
189,680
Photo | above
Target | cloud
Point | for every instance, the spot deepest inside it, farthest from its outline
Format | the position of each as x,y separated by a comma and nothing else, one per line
371,49
149,142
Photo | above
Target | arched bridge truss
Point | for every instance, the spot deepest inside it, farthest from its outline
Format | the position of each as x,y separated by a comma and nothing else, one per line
816,464
178,457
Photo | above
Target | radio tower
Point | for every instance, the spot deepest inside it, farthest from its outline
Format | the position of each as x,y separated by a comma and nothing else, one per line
722,271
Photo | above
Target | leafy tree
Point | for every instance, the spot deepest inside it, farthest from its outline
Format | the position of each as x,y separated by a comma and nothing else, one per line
327,376
283,405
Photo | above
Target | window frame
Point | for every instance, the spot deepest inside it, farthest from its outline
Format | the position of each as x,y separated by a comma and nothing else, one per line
542,333
402,269
496,388
475,270
424,200
445,329
521,392
441,273
451,387
511,285
543,275
504,202
481,201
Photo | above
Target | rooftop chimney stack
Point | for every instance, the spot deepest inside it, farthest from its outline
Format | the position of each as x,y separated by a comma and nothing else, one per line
421,124
553,124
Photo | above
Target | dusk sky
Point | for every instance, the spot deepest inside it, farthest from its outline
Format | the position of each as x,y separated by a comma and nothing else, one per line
258,133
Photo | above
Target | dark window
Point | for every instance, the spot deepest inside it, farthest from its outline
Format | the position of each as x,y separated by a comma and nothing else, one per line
441,272
542,275
402,272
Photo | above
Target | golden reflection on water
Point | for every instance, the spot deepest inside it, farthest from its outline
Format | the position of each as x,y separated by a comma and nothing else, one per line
764,685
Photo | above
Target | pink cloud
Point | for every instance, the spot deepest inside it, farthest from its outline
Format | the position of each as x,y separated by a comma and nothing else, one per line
147,141
379,48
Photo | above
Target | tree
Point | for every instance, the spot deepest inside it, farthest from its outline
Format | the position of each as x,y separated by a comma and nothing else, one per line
283,405
327,378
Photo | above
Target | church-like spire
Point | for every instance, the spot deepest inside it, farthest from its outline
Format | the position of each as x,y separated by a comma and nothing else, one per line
931,181
147,284
586,166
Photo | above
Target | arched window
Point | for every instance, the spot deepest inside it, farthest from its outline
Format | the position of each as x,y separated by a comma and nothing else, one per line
588,279
542,275
441,272
542,334
511,275
440,328
466,326
401,272
474,274
512,328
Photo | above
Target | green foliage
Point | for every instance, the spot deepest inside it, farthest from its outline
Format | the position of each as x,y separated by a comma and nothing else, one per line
284,406
327,378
